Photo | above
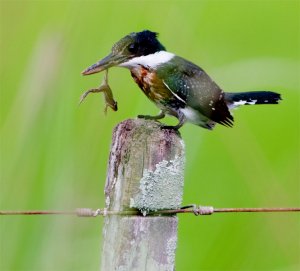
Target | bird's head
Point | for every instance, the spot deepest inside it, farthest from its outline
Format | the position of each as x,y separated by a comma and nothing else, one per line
133,45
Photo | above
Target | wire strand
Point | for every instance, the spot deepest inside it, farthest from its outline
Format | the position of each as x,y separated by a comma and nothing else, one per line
197,210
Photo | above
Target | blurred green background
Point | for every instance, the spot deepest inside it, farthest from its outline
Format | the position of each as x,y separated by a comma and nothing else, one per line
54,154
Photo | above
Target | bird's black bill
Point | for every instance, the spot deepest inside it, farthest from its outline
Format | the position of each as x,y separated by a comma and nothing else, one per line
105,63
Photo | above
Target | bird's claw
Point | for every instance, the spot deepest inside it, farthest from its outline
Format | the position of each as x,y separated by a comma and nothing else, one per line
146,117
169,127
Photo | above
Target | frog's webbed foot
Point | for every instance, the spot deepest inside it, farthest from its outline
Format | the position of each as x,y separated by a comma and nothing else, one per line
85,94
108,95
113,106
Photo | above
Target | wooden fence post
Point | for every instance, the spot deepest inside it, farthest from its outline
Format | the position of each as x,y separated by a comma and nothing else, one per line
145,172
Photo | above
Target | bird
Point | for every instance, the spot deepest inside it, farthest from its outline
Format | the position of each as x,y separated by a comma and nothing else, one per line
177,86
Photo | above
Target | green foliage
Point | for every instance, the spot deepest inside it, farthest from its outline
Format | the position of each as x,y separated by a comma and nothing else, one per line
54,154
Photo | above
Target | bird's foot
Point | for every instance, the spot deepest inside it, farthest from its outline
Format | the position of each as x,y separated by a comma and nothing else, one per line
182,120
148,117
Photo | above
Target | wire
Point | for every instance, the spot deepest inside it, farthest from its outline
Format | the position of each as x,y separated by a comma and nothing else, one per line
197,210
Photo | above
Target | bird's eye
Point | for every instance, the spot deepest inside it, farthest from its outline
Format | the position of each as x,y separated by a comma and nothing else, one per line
132,48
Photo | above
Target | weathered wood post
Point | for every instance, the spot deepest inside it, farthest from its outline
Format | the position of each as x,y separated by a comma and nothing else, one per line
145,172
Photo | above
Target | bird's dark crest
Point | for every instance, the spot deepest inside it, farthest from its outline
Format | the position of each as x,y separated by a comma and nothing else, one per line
146,43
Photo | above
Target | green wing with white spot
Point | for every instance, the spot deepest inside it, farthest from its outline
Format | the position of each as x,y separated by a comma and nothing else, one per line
191,84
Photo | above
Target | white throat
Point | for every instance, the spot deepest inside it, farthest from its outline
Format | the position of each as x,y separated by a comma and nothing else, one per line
151,61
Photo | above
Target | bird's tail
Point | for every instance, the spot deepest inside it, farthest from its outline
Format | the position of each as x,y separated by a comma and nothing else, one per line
249,98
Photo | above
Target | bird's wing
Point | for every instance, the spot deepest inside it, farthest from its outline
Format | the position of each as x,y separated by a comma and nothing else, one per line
189,83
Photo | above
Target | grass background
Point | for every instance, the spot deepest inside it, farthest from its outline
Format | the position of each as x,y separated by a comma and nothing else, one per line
54,153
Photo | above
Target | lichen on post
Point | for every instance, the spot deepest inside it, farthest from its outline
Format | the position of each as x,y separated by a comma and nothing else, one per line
145,172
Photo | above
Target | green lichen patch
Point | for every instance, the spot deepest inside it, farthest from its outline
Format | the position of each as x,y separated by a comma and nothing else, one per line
161,188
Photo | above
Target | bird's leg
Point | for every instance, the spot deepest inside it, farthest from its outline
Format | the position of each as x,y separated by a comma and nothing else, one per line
182,120
161,115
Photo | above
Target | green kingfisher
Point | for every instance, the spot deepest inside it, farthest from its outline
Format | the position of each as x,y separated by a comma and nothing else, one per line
177,86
